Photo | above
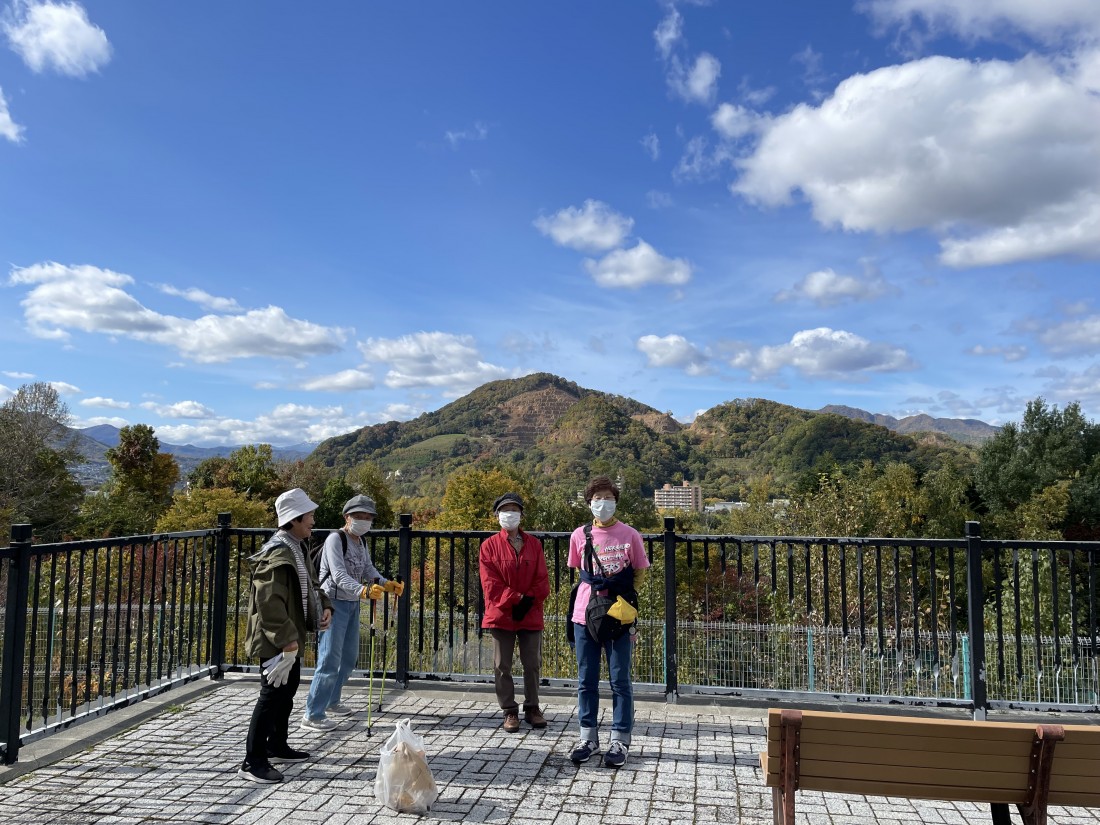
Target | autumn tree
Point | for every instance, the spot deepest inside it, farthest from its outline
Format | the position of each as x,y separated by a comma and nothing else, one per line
468,499
36,451
140,489
368,479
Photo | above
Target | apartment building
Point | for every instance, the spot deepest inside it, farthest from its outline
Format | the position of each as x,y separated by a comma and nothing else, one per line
686,497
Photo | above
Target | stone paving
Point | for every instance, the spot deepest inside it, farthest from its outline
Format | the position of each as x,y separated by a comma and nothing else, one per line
689,765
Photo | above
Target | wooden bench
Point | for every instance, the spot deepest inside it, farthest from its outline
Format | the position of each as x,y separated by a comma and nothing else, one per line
1031,766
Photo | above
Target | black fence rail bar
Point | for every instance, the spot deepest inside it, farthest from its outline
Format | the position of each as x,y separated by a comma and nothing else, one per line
93,625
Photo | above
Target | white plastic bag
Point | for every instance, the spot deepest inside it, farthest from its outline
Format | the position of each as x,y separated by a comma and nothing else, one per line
404,781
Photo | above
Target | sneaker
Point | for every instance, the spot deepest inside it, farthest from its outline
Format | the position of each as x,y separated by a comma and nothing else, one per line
318,724
616,755
584,750
511,721
261,774
288,754
339,710
534,716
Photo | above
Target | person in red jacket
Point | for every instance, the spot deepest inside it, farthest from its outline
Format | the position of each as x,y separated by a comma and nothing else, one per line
515,583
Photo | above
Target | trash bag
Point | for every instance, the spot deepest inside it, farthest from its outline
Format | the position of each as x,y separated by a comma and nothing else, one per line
404,781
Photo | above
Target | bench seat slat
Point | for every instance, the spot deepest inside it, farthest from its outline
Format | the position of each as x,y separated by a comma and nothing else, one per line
947,742
879,754
947,793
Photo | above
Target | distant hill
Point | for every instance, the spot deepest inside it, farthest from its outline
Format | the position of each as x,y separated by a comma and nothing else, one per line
553,429
93,443
966,430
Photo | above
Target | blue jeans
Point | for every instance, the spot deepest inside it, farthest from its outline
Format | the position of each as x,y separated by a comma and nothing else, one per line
589,657
337,653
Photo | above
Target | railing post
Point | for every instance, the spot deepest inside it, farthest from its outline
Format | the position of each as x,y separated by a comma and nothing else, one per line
404,567
15,640
672,685
975,618
219,610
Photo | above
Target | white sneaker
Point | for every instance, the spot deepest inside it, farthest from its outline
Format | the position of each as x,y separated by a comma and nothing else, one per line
318,724
339,710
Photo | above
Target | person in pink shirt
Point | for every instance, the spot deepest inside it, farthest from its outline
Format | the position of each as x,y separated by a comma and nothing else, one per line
620,563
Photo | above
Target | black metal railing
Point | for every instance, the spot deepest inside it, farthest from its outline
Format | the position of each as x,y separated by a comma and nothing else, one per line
93,625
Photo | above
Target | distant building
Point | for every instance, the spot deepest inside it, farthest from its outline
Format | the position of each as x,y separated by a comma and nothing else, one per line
686,497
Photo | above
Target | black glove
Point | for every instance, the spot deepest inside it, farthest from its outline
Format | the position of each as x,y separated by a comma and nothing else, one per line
519,610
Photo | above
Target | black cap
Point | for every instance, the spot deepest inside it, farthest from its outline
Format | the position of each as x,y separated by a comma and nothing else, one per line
508,498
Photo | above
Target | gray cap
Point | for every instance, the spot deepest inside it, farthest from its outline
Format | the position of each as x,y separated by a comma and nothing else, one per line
360,504
508,498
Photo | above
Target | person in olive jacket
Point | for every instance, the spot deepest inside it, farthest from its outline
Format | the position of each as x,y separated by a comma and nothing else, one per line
515,583
284,605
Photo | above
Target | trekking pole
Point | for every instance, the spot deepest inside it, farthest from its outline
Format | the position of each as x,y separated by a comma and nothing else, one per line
385,635
370,682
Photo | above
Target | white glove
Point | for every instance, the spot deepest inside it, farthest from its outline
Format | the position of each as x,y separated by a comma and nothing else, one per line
277,669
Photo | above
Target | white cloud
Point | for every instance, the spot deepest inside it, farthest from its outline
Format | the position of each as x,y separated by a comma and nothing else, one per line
1081,386
1048,20
1010,354
201,297
699,84
479,132
64,388
673,351
827,288
343,381
56,36
18,374
637,267
1001,159
733,121
91,299
433,359
181,409
108,403
656,199
6,392
668,32
1079,336
285,424
9,128
825,353
700,162
652,145
593,228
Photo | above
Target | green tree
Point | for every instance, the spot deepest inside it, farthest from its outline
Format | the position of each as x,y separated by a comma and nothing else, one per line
210,472
330,504
368,479
252,471
198,508
36,450
469,498
1047,447
140,489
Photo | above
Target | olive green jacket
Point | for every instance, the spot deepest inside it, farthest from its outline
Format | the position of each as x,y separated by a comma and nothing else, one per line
275,615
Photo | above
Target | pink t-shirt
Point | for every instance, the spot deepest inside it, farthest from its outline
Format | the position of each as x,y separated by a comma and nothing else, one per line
617,547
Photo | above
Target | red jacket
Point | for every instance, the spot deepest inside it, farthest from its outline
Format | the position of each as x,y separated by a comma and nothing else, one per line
506,578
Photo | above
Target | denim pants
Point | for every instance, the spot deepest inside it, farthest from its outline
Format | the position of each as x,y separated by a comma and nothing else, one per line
337,653
589,657
270,724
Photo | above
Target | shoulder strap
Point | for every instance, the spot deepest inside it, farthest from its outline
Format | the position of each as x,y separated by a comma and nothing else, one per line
590,556
343,540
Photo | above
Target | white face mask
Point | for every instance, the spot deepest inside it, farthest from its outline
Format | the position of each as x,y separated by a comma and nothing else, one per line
358,528
508,520
603,509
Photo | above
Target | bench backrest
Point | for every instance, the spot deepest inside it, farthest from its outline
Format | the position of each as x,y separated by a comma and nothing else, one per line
944,759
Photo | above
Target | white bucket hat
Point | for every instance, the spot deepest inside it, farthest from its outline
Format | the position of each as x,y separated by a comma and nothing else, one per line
291,504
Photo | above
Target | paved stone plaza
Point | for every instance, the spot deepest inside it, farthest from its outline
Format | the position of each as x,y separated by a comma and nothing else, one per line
690,764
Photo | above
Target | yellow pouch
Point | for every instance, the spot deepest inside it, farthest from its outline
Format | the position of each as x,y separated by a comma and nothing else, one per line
623,610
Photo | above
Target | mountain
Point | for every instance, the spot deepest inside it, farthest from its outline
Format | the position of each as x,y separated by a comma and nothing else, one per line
548,428
967,430
93,443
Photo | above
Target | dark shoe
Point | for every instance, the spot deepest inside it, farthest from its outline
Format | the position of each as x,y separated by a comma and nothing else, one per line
261,774
583,751
288,754
534,716
511,721
616,755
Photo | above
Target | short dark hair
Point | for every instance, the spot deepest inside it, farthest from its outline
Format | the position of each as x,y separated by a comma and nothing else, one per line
600,483
297,519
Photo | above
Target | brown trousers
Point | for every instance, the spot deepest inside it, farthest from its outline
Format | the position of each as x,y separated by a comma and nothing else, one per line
530,656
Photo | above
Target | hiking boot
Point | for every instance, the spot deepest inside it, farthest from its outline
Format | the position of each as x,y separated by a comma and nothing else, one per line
511,721
318,724
287,754
616,755
339,710
583,751
261,774
534,716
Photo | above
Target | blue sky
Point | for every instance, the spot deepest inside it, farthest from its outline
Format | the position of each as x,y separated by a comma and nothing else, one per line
244,222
